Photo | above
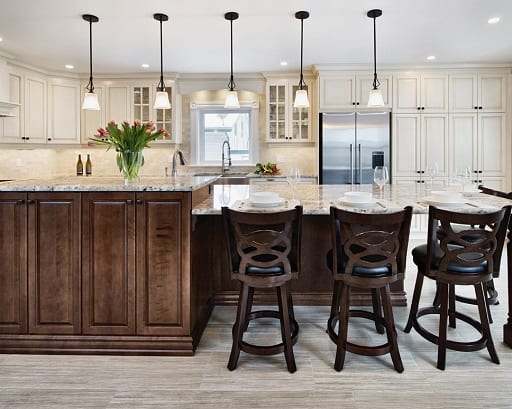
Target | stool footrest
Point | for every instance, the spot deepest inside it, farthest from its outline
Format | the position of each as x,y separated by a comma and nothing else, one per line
268,349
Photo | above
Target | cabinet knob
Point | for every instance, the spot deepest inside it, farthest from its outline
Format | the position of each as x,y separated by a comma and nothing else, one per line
422,181
49,139
129,201
422,108
480,108
418,108
476,107
353,103
138,201
480,171
30,201
357,103
20,201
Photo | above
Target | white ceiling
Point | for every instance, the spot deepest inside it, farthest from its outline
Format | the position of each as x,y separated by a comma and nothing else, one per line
51,33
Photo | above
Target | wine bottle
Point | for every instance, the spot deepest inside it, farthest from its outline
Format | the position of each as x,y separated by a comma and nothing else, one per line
79,166
88,166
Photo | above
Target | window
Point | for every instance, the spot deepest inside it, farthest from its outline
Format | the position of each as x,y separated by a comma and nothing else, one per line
214,125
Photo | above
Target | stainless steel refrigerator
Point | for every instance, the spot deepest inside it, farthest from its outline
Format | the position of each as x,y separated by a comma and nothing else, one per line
352,144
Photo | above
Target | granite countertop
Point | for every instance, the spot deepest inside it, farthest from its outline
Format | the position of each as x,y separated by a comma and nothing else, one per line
317,199
94,183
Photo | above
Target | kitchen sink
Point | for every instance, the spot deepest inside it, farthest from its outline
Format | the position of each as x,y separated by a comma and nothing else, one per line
223,175
232,178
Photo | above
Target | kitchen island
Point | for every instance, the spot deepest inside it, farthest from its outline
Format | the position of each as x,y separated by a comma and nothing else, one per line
89,265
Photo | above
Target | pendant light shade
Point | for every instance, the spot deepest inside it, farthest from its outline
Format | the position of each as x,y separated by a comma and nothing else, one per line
301,96
375,98
90,98
231,100
162,97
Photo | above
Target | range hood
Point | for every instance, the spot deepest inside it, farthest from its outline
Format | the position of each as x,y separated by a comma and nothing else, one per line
8,108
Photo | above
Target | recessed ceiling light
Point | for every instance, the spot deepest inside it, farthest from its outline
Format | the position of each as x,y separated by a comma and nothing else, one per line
493,20
145,65
1,39
69,66
431,57
283,63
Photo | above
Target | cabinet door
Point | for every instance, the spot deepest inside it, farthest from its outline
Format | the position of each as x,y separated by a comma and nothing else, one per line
463,143
108,263
13,263
434,143
434,93
35,110
463,91
406,93
406,146
491,144
118,104
64,113
337,92
492,92
277,100
54,262
11,128
162,272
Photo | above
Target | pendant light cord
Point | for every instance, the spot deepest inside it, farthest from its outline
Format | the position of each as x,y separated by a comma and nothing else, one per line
301,78
376,82
231,84
161,86
90,85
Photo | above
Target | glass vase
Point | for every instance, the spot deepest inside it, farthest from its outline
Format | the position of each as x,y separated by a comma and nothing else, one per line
129,164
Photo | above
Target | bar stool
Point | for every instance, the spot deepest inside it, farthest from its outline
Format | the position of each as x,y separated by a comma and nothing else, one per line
368,251
458,256
264,252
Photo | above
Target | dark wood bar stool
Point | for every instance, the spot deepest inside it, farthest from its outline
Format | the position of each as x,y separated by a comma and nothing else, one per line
458,256
264,251
368,251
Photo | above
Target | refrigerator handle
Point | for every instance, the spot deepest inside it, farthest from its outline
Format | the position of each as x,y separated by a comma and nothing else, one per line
351,166
360,167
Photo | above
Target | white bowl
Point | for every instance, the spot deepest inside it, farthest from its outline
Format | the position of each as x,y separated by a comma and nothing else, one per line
362,197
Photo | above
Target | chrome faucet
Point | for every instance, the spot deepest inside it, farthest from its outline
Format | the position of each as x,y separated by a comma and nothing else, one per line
226,157
177,154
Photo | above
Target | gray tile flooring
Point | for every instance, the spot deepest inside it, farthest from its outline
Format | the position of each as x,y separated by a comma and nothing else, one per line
470,380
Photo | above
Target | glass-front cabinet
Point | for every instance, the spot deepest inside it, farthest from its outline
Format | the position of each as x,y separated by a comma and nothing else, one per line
284,122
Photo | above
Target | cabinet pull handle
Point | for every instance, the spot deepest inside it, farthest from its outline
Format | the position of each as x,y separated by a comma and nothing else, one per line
20,201
129,201
30,201
138,201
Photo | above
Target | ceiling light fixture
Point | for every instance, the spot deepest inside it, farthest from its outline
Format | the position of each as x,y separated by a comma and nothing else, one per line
375,99
162,97
90,98
301,96
431,57
283,63
231,100
145,65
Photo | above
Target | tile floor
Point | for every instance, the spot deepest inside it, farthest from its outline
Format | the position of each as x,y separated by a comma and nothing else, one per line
470,380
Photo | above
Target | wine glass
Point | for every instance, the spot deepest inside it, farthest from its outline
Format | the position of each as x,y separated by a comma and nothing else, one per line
432,171
465,177
293,179
381,177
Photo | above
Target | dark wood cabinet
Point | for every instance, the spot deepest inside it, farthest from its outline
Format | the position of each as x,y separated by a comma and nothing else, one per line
162,268
54,263
13,263
108,263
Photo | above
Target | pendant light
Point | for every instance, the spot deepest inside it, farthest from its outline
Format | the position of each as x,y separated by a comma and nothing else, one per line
301,96
162,97
231,100
375,98
90,98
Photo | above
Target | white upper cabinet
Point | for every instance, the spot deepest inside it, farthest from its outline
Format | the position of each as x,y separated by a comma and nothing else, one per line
426,93
35,109
342,92
63,112
285,123
11,128
478,93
